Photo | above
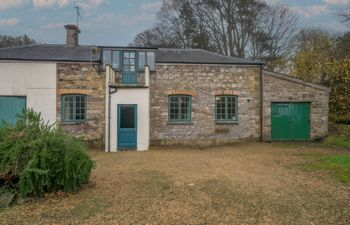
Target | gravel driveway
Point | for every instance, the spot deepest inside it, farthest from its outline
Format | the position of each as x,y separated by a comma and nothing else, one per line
248,183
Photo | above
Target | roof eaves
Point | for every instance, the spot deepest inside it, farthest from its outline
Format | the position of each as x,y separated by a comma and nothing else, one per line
214,63
48,60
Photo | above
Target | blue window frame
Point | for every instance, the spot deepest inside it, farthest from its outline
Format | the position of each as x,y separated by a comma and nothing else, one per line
74,108
180,108
226,108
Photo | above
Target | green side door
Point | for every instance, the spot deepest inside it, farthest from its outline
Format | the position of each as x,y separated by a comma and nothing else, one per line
10,106
290,121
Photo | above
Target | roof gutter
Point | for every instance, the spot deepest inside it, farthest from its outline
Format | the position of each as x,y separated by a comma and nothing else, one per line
47,60
213,63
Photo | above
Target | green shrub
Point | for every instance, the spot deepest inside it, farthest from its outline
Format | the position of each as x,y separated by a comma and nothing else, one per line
340,119
338,141
36,157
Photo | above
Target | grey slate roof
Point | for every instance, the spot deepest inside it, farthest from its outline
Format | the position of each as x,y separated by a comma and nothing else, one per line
45,52
198,56
83,53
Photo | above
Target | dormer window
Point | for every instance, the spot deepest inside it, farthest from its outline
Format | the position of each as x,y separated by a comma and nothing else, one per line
128,59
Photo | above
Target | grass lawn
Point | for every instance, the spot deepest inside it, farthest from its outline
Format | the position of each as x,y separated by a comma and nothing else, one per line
338,165
250,183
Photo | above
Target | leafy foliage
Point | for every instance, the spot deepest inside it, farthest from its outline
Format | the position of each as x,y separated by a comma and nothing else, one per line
338,141
314,51
324,59
337,77
36,157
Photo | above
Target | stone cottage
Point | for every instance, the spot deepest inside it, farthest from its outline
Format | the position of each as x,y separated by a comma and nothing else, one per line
133,98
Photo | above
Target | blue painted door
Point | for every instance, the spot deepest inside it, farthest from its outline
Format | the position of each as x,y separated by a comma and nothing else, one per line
129,62
127,127
10,107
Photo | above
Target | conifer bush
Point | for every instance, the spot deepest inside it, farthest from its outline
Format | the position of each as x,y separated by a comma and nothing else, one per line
37,157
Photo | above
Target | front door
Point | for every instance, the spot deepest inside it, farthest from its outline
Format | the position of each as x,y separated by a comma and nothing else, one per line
129,74
127,127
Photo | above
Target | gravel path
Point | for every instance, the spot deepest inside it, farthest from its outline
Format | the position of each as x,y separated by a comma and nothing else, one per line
250,183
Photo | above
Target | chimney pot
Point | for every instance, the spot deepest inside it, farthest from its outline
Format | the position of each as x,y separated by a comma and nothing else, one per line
72,34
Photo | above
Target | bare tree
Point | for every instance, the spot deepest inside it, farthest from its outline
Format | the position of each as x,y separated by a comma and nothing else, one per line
243,28
9,41
158,36
274,40
344,14
231,23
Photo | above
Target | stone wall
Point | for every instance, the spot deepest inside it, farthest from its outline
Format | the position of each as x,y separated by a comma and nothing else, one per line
281,88
83,78
203,82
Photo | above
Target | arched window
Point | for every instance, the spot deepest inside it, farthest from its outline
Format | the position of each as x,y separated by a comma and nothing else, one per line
226,108
74,107
180,108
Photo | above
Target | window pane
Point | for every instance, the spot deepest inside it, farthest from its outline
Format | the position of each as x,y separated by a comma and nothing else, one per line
179,108
226,107
66,105
126,62
106,57
231,108
150,60
126,55
127,117
115,60
220,108
142,59
73,108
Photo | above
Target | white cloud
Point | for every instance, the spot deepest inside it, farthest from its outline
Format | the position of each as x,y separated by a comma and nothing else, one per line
110,19
337,2
52,26
152,6
9,22
90,4
50,3
5,4
310,11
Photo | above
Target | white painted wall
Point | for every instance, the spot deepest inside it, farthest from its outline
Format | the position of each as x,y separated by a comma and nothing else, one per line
140,97
35,80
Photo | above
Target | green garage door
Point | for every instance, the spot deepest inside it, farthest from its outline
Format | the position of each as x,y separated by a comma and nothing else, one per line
290,121
10,106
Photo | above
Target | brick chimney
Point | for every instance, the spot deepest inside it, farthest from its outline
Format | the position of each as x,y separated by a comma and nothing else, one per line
72,34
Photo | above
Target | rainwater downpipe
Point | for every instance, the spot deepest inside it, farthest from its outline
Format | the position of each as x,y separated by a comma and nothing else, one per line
261,102
110,92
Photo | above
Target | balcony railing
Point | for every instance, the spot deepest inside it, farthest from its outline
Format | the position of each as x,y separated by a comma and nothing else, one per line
119,78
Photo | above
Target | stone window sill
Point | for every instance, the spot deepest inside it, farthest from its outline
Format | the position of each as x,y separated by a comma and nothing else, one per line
226,122
74,123
180,123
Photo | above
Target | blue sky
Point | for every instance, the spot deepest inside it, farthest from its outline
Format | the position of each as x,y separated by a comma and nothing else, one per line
115,22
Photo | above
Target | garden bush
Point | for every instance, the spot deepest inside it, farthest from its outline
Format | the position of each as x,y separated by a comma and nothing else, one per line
340,119
37,157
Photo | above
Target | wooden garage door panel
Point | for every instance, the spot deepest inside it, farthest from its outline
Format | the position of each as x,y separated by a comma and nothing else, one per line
290,121
10,107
